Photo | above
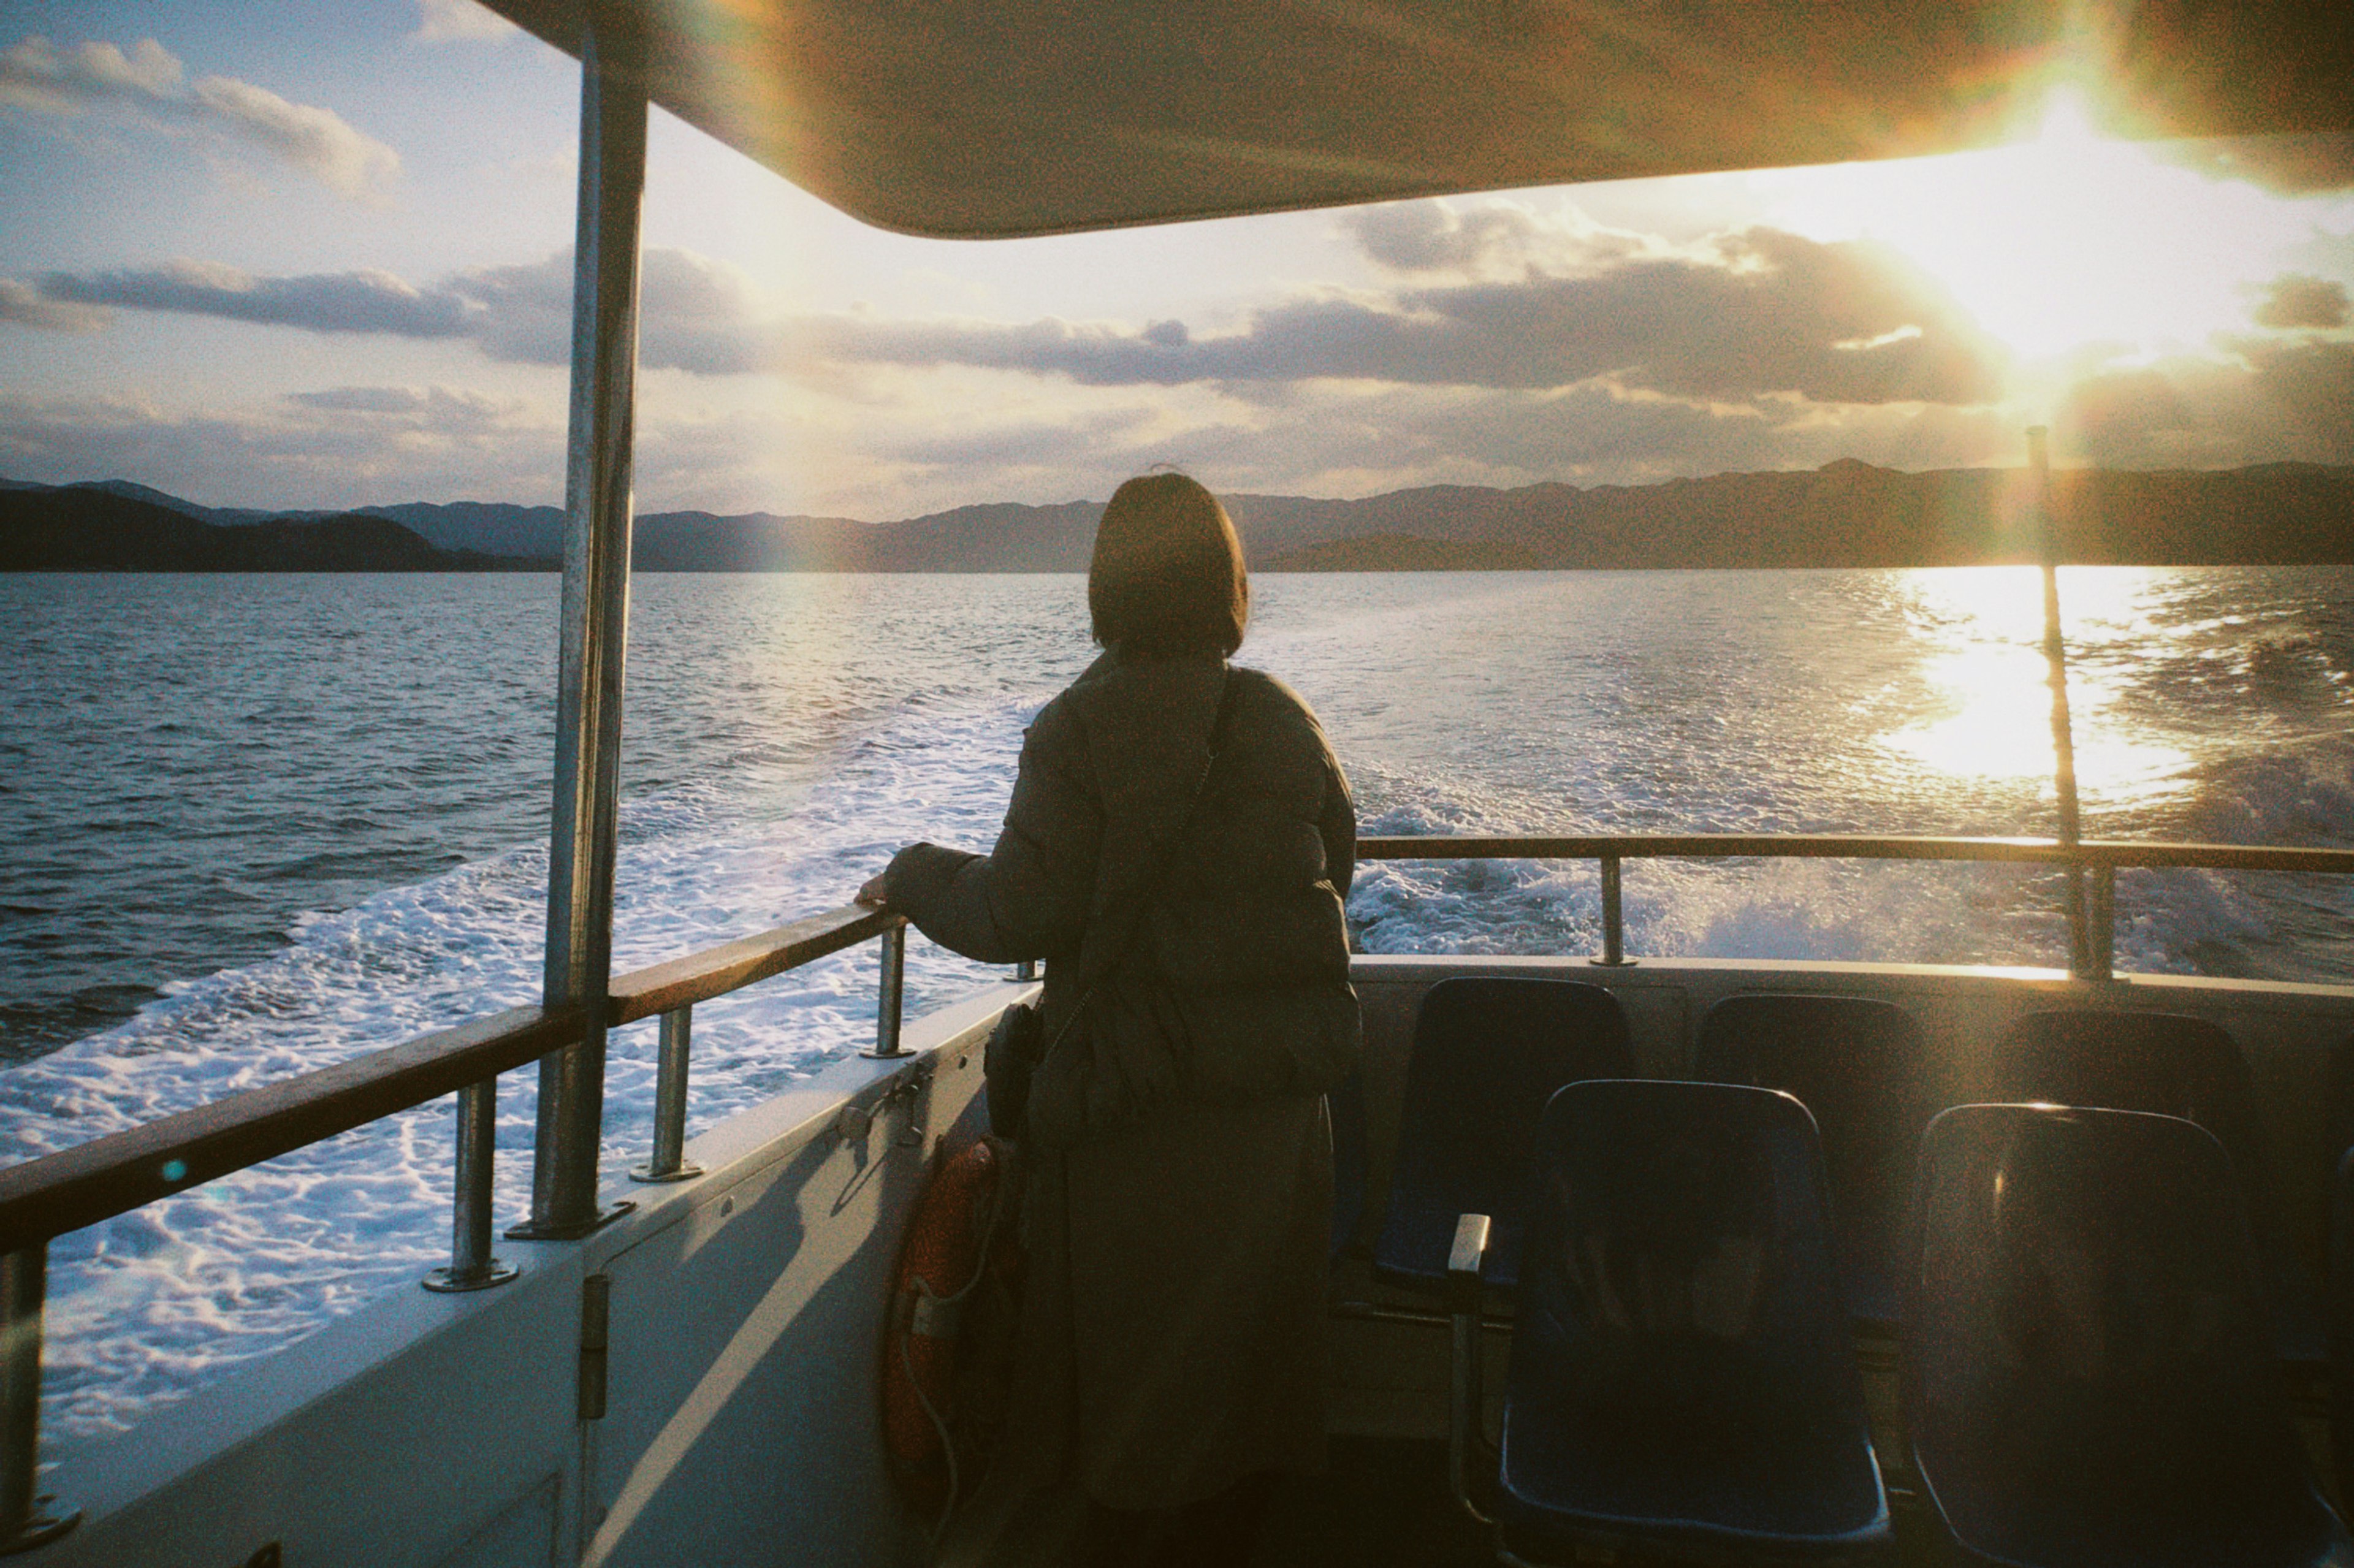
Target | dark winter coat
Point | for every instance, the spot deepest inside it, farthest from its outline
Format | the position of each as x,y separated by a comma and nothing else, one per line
1180,1197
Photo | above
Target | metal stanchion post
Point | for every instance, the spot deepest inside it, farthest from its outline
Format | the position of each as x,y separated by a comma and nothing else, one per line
668,1161
583,830
2102,918
1613,918
887,1000
471,1266
27,1517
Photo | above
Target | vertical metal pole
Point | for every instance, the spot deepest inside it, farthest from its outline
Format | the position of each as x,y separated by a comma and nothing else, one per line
25,1521
581,844
2103,920
668,1161
2063,742
1466,1411
887,999
471,1266
1614,917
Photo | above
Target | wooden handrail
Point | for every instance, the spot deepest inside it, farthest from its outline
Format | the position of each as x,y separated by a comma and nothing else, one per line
115,1174
699,977
1851,846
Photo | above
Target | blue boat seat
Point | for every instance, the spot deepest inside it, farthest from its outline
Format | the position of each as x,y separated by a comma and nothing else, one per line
2173,1064
1856,1064
1489,1051
2087,1374
1684,1382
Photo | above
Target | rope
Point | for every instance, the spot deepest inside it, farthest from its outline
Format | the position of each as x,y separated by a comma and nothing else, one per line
926,1294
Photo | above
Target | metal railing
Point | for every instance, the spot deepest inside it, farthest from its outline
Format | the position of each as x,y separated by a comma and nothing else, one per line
2092,921
90,1182
44,1198
670,992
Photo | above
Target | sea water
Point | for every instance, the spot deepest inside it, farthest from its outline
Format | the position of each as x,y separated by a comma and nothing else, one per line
255,825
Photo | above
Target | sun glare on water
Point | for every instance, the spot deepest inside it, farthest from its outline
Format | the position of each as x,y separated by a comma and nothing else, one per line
1992,718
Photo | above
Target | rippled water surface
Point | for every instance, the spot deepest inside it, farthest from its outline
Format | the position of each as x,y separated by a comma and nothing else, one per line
255,825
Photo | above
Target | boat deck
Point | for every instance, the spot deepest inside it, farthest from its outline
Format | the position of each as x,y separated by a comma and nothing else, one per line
1382,1504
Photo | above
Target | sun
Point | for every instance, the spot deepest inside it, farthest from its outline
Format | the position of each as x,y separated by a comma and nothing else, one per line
2067,240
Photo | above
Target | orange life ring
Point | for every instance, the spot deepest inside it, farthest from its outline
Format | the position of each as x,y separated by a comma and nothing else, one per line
952,1234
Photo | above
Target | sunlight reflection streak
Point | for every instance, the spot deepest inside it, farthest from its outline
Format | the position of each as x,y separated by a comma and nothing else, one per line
1994,700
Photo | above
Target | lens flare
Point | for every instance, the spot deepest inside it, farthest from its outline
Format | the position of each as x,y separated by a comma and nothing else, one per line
2069,240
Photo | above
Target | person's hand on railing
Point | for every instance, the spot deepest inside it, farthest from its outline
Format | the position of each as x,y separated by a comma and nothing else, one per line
872,894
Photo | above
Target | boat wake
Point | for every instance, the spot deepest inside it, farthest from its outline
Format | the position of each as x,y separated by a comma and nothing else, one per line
1708,705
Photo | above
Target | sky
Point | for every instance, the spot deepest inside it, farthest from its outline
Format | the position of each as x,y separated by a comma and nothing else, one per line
293,253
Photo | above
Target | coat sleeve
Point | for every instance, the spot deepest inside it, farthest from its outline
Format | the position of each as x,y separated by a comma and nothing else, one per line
1338,825
1028,897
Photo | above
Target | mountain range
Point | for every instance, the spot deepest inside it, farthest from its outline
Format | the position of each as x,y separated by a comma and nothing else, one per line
1846,514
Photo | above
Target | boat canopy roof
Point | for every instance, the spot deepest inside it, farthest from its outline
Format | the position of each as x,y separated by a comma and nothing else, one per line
1000,118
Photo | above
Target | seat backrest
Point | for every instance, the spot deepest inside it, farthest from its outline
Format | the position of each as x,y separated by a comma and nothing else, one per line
1856,1063
1682,1330
1489,1051
2165,1064
2087,1369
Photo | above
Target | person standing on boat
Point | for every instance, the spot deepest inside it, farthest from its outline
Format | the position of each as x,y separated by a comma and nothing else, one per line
1178,848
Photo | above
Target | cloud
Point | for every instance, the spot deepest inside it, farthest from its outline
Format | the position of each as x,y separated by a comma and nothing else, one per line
313,140
1032,444
2295,299
695,314
1436,236
357,446
1357,440
360,302
36,76
1752,315
459,21
912,445
2273,400
389,399
25,305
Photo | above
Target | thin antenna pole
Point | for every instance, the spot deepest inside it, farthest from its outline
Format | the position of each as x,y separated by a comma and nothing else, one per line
2064,740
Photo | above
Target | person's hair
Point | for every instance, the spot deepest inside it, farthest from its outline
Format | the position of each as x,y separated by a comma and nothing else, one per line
1168,576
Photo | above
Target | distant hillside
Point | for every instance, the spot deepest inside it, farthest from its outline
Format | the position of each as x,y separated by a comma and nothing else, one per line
1850,513
90,529
1002,537
1846,514
493,528
1400,553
